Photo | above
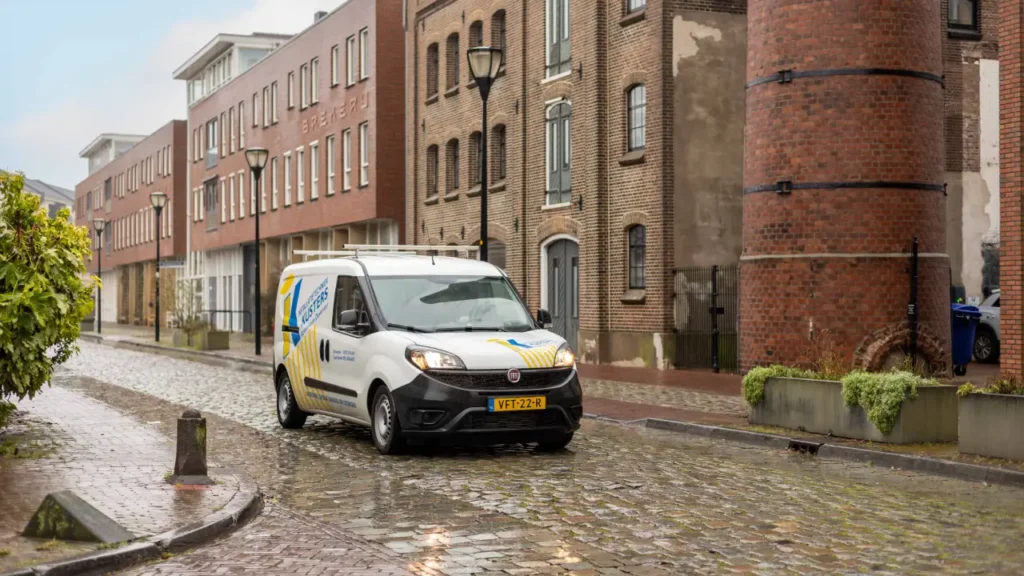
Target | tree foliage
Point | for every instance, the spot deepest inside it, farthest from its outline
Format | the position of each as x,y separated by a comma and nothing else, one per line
44,291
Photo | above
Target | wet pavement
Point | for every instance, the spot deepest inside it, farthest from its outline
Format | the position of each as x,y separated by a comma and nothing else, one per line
620,500
114,462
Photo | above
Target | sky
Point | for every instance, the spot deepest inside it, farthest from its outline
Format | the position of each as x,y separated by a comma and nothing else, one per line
74,69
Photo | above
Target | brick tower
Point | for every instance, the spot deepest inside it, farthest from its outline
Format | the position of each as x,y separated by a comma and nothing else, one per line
843,168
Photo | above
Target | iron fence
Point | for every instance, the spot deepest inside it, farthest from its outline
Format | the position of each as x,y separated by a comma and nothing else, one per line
707,317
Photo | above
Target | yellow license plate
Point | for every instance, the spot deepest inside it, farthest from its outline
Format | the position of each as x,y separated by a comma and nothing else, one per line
516,404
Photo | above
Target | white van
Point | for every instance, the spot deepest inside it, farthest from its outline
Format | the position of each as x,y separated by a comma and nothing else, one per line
421,348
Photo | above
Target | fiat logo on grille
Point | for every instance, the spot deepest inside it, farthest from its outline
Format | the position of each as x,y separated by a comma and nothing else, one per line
514,375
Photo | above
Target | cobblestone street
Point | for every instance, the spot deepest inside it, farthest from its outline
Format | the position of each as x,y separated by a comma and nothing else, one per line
620,500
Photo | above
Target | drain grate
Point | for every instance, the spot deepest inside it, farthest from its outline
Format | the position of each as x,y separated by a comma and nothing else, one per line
804,446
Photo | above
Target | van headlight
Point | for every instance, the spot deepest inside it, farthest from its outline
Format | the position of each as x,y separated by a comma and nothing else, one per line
565,357
431,359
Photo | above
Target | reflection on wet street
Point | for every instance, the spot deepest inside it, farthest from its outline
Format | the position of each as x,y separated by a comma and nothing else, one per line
620,500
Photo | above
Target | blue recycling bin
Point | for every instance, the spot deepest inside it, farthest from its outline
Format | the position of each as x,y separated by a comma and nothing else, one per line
964,323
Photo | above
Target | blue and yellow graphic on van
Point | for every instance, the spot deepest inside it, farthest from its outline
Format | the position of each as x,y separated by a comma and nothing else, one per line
300,318
540,354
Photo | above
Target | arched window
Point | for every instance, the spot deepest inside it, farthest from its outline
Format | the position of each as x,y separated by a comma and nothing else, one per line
559,153
476,34
637,256
432,72
498,153
637,116
474,159
635,5
452,165
452,64
432,171
498,30
496,252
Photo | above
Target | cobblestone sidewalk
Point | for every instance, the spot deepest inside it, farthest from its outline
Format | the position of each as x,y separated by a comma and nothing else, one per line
621,500
113,461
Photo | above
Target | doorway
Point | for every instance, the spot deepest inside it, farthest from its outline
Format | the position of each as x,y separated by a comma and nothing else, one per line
562,290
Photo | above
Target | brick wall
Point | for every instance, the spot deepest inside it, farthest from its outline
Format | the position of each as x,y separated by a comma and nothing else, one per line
831,259
1011,15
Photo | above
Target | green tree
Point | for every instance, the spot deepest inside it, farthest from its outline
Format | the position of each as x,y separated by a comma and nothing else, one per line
44,291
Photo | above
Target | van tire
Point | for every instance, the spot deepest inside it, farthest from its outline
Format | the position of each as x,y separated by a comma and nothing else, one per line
555,444
385,428
289,415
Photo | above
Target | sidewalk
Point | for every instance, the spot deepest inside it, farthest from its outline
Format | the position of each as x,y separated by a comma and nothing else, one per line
62,440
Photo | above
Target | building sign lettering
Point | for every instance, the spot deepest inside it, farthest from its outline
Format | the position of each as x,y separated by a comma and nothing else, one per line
336,113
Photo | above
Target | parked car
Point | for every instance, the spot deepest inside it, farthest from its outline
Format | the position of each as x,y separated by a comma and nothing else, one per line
986,338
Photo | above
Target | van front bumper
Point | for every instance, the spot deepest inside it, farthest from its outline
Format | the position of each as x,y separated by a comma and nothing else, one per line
455,405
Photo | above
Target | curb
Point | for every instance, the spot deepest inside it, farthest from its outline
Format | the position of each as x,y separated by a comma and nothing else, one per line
959,470
243,506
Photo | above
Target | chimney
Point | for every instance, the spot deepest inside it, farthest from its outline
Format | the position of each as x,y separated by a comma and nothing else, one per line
320,15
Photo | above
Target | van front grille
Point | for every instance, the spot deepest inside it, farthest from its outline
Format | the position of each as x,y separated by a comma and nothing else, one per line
498,380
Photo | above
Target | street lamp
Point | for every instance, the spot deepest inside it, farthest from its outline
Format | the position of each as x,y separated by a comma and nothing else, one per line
158,200
257,159
484,64
99,224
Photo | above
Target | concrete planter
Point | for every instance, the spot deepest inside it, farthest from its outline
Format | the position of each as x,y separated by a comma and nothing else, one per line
817,406
202,340
87,325
992,425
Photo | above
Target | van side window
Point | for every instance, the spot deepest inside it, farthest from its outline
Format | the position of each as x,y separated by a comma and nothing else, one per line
349,306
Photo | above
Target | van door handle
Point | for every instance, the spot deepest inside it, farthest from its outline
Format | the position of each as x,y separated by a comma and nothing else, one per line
321,350
327,350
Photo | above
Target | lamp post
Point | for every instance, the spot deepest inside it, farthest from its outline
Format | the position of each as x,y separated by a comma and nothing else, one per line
158,200
99,224
484,63
257,159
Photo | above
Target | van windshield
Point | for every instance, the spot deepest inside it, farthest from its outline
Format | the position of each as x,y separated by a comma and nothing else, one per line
451,303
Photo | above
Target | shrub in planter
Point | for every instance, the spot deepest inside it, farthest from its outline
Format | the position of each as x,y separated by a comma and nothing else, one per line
753,382
881,395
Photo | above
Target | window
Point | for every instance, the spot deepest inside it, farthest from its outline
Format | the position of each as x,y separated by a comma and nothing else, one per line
314,170
226,198
252,192
496,252
231,198
474,159
304,86
241,125
211,143
559,153
498,153
637,254
255,109
498,30
273,102
291,90
346,155
331,162
432,171
314,81
287,179
266,106
635,5
432,64
334,65
451,165
273,178
559,55
223,138
231,127
350,60
364,53
364,154
637,116
963,15
300,191
209,198
476,34
241,195
474,299
349,306
452,62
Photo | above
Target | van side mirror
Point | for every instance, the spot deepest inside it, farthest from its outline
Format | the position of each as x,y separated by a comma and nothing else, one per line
353,321
543,317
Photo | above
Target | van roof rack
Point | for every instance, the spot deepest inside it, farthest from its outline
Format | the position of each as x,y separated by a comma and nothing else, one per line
351,250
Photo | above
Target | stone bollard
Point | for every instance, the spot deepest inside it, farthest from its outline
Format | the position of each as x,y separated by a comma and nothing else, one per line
190,457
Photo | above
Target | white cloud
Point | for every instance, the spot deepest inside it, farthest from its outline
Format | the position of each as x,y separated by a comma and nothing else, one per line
137,100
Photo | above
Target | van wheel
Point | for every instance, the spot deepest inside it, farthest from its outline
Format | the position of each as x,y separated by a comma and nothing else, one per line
384,426
288,412
555,444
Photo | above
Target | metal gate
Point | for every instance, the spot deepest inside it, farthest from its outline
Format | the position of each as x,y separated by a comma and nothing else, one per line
707,317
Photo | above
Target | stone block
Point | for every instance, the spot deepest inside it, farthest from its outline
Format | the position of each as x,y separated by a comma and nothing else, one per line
65,516
817,406
992,425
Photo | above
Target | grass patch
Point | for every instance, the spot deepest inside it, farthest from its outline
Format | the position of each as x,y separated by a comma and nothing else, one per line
11,448
4,553
111,545
50,545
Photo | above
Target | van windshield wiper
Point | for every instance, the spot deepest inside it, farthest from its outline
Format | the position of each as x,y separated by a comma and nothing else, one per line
472,329
407,328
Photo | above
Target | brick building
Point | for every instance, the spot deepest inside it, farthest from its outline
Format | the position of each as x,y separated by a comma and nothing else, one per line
616,154
123,171
1011,80
327,106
